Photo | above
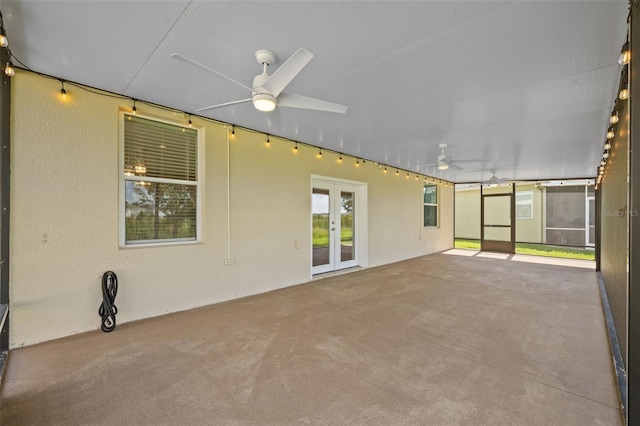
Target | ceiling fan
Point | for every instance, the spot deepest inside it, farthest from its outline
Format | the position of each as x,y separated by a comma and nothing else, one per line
445,161
267,90
494,181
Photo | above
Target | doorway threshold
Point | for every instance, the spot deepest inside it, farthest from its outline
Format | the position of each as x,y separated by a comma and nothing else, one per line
336,273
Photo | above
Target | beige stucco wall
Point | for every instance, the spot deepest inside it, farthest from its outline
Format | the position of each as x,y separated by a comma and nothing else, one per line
64,217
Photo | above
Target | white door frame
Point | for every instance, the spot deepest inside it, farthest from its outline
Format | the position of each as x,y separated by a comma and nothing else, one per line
360,218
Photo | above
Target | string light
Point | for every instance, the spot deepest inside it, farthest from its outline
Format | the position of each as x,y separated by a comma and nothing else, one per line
605,155
9,70
624,94
141,169
407,176
4,41
610,133
63,92
625,54
607,146
614,117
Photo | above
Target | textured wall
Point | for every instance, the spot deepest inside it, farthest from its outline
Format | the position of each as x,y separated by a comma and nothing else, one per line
614,220
64,217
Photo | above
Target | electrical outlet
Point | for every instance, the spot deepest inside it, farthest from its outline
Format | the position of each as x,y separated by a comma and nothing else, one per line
229,262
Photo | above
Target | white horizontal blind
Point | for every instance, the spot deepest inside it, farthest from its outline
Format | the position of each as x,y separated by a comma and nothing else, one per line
161,181
160,149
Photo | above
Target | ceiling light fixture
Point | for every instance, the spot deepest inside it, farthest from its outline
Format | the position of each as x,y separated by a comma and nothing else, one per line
264,102
625,54
443,166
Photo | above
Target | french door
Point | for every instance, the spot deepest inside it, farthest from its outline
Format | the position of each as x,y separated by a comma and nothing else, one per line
335,217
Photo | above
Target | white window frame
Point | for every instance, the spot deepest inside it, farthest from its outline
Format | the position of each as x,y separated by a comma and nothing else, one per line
436,205
199,183
524,203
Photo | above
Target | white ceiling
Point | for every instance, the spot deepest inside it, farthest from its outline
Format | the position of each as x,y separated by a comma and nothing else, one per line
525,86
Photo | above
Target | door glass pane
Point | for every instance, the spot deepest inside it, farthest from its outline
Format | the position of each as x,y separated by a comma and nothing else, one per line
321,235
497,210
497,234
347,226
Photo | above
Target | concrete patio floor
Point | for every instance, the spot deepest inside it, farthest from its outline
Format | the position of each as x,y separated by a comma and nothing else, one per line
443,339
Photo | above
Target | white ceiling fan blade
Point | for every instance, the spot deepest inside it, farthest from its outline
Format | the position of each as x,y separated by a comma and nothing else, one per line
297,101
206,68
287,71
223,105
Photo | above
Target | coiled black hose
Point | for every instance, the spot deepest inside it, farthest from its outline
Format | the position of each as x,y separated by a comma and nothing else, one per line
108,308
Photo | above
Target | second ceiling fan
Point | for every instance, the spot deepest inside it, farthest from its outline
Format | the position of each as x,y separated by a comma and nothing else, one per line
267,90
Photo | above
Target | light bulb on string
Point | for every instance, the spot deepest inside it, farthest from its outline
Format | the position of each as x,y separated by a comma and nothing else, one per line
397,172
9,70
607,146
233,131
319,152
340,159
4,41
605,155
625,54
295,148
385,169
63,93
268,141
610,134
134,110
358,162
614,117
190,122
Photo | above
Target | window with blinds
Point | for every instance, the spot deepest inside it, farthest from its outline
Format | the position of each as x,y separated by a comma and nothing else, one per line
160,173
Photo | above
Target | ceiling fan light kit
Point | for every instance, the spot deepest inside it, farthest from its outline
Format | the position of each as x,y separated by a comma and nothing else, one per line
267,90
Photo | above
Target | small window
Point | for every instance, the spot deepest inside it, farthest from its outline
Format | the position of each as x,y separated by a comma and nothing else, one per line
159,182
524,205
430,200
